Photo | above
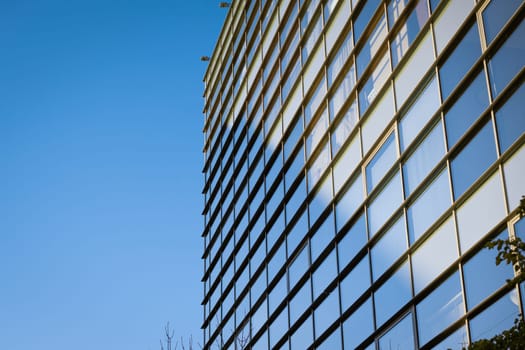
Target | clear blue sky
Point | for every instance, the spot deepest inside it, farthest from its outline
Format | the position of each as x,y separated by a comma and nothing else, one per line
100,171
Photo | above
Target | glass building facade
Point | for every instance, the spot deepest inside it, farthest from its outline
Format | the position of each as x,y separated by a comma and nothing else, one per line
358,155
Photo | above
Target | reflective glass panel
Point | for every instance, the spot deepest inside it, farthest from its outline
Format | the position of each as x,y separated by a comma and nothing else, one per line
440,309
364,17
384,204
473,160
389,248
324,274
300,301
401,336
480,212
377,120
496,14
333,342
466,110
508,60
359,325
327,312
407,33
419,113
393,294
344,128
449,21
372,45
349,203
496,318
459,61
303,336
514,169
456,340
374,83
355,283
353,241
412,72
510,119
424,159
434,255
478,285
429,206
348,161
381,162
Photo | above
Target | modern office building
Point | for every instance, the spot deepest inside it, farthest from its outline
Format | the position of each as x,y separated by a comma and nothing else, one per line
358,156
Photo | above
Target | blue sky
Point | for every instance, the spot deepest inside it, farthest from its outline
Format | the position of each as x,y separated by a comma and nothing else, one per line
100,170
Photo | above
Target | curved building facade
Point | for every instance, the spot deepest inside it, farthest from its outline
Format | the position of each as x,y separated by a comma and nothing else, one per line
358,156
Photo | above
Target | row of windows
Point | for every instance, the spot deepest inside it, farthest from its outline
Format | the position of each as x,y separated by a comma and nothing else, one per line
439,306
419,158
414,169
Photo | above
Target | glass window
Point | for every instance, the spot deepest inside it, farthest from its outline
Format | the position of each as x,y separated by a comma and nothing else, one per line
364,17
333,342
479,286
344,128
259,317
384,204
459,61
336,26
480,212
374,82
392,295
456,340
514,169
342,94
496,14
348,161
401,336
303,336
429,206
353,241
377,120
419,113
322,237
466,110
277,295
349,203
300,302
449,20
359,325
278,327
371,46
295,201
425,158
355,283
381,162
316,98
408,32
319,165
313,35
473,160
440,309
324,274
508,60
340,58
434,255
293,137
496,318
414,69
316,134
389,248
298,266
327,312
314,65
510,119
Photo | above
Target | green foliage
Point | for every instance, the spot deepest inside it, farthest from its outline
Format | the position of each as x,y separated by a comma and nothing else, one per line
511,339
512,252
